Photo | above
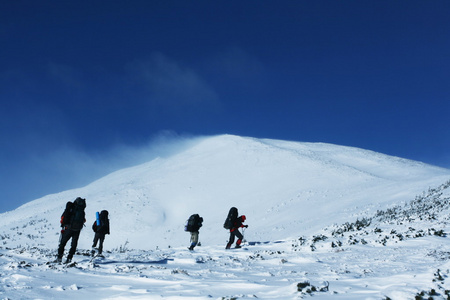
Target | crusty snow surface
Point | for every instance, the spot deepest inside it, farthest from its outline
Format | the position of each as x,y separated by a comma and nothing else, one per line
325,221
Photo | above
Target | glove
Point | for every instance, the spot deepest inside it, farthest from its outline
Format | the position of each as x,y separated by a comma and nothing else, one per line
246,226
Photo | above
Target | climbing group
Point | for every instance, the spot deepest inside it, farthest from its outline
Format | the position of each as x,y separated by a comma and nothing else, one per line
233,222
73,219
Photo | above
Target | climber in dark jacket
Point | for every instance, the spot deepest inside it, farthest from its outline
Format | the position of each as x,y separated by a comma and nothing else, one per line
100,231
234,232
72,221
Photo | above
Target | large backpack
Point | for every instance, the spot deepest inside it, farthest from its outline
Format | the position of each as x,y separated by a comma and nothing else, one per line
231,218
193,223
104,222
78,215
103,227
103,217
66,216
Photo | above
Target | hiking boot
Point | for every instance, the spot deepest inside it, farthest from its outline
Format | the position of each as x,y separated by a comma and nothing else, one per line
238,246
68,261
58,260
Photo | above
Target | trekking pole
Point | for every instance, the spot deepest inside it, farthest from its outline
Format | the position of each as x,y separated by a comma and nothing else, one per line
243,231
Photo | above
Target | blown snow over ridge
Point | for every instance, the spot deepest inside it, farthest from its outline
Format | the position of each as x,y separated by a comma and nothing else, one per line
286,190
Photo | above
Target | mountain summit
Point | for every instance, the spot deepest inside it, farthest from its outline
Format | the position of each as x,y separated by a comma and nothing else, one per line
285,189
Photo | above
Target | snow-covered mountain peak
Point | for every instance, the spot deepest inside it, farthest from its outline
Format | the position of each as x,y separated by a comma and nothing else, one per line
285,189
324,220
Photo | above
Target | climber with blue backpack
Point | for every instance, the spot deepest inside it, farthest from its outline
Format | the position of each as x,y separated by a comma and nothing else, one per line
101,229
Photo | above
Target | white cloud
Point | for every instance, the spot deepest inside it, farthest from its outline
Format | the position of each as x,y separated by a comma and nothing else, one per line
65,74
237,64
172,84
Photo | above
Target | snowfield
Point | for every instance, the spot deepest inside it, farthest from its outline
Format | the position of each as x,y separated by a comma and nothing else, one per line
325,221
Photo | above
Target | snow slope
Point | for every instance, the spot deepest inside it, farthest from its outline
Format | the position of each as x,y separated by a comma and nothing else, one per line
285,189
324,220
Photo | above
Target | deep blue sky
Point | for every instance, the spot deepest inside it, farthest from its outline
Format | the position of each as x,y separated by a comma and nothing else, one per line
87,86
